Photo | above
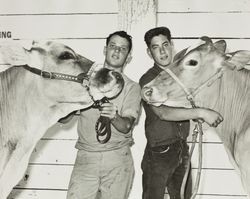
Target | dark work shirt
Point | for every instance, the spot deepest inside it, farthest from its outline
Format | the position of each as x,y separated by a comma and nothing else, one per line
161,132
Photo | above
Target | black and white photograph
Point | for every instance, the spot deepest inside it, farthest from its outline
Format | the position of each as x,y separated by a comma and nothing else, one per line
125,99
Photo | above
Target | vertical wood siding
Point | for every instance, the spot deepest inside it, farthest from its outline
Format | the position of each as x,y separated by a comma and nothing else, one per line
83,25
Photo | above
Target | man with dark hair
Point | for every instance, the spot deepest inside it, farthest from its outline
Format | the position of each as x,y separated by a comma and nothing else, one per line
121,34
166,154
106,170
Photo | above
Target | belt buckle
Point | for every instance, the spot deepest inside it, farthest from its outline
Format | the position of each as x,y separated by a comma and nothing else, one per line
166,150
160,149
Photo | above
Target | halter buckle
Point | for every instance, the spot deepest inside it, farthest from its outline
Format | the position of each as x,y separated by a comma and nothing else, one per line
44,73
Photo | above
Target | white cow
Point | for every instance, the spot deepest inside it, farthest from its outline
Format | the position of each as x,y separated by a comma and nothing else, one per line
48,86
208,75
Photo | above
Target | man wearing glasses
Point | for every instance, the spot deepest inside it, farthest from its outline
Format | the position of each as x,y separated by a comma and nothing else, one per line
106,170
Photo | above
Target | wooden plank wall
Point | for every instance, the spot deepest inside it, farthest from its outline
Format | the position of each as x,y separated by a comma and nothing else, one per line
83,25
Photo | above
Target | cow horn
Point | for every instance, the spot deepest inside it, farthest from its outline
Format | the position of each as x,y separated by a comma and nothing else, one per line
206,39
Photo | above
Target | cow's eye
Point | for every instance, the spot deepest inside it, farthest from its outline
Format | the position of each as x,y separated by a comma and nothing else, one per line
66,55
192,62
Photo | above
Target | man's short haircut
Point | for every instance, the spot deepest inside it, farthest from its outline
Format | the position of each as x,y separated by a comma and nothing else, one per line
155,32
121,34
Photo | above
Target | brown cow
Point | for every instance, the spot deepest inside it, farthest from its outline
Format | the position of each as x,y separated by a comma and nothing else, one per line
49,85
206,74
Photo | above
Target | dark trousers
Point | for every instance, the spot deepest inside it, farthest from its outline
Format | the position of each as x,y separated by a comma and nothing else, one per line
165,166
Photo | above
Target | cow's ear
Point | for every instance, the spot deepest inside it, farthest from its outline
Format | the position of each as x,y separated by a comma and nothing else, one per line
237,59
221,45
13,54
180,54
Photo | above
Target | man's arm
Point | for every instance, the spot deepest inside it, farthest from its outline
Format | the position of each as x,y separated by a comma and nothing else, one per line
129,114
122,124
212,118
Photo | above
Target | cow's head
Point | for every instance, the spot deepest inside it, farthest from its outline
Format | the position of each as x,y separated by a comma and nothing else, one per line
56,57
193,67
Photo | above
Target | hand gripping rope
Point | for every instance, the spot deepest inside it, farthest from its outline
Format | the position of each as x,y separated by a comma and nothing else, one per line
103,124
197,130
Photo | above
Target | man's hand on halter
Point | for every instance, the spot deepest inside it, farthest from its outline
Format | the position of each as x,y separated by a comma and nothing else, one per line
211,117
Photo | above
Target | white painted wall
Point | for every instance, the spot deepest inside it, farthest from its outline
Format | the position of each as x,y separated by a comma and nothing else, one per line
83,25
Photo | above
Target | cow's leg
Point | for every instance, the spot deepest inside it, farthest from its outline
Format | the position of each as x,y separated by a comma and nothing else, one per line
242,154
15,168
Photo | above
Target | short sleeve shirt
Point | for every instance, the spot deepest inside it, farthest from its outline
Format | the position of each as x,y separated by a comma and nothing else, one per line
128,103
160,132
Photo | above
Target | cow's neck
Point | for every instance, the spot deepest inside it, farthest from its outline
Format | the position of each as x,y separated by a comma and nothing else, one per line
24,109
231,100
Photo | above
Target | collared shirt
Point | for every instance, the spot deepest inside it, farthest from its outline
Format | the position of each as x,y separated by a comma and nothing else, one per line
128,103
161,132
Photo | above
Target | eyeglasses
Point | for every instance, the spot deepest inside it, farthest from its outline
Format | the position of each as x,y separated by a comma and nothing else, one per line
119,48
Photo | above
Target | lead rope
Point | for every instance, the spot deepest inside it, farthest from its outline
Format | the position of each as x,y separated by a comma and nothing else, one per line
197,130
103,124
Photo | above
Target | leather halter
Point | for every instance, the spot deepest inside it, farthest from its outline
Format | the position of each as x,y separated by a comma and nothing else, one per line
190,95
82,78
57,76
